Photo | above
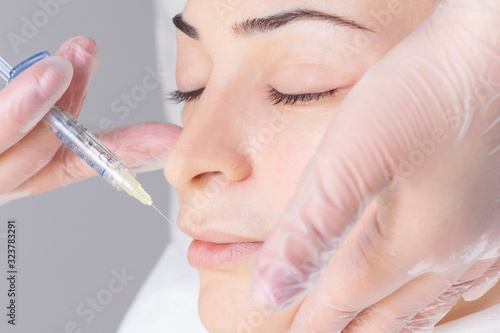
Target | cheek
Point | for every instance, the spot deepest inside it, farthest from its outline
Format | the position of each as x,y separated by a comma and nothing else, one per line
288,159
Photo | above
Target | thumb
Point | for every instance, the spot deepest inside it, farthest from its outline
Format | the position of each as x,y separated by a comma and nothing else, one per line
143,147
401,102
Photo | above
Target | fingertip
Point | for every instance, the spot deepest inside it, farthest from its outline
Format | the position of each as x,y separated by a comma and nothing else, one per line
144,146
473,293
85,43
52,77
276,286
482,286
80,50
263,296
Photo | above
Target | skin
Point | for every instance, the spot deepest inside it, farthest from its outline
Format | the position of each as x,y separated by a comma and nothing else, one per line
252,152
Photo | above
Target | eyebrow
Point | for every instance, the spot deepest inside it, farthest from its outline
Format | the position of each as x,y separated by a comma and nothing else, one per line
272,22
276,21
185,27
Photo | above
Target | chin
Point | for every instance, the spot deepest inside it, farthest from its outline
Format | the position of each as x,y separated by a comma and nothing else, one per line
225,306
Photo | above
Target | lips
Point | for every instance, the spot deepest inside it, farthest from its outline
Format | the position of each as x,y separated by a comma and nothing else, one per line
216,247
203,254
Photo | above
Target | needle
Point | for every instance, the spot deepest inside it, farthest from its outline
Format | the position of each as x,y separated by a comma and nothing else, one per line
161,213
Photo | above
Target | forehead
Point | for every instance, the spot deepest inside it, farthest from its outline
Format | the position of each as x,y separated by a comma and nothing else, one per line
387,21
228,12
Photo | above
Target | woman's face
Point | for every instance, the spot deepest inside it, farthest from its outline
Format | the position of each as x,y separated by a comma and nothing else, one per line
261,80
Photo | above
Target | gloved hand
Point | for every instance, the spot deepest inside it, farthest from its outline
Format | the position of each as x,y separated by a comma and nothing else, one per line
32,159
398,213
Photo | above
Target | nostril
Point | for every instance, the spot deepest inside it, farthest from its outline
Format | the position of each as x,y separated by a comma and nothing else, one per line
210,181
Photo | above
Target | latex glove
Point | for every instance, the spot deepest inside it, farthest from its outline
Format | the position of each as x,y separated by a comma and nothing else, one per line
397,214
32,159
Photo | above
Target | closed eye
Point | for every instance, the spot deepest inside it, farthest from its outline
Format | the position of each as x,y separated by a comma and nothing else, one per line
274,95
278,98
178,96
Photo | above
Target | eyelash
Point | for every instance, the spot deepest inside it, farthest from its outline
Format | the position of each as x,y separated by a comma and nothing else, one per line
278,98
178,96
274,95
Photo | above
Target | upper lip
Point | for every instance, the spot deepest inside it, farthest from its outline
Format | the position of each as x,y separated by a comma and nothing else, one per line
214,236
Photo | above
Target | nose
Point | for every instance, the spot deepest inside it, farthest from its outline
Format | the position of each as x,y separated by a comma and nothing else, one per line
209,146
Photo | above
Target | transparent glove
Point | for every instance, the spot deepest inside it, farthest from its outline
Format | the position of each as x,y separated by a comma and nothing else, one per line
32,159
398,213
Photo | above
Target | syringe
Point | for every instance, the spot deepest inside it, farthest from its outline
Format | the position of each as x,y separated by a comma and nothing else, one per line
84,143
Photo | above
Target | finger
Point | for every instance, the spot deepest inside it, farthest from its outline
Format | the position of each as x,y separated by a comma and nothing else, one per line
478,269
398,312
366,270
26,100
37,148
143,147
330,307
377,266
85,57
379,123
378,287
483,284
426,320
416,307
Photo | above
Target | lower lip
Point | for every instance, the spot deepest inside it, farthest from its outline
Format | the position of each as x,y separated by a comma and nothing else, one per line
216,256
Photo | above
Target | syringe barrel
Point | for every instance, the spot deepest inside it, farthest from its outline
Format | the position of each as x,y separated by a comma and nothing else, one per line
87,146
